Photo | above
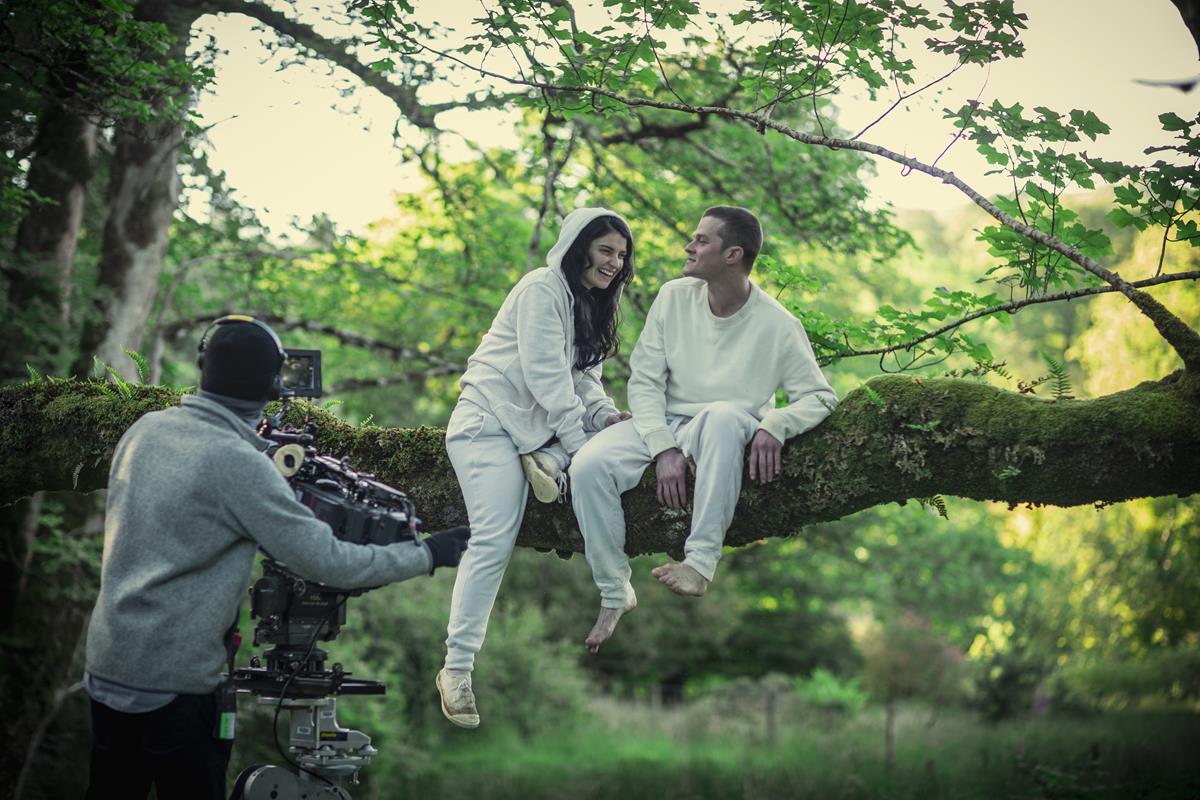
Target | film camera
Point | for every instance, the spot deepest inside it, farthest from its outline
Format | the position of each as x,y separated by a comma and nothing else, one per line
292,615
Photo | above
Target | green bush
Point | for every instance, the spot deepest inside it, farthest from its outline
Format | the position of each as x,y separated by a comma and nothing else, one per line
1168,675
1005,685
826,691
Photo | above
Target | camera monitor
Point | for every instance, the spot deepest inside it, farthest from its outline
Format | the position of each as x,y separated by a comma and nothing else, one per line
302,373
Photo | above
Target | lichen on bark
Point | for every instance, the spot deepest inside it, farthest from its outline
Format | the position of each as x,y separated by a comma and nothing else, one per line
904,438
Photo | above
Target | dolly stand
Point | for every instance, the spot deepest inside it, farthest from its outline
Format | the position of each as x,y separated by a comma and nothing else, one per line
322,749
293,614
324,753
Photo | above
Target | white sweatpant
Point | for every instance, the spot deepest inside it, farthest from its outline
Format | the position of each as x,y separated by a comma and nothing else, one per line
488,467
613,462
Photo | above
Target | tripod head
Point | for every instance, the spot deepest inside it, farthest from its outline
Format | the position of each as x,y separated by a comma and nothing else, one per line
293,615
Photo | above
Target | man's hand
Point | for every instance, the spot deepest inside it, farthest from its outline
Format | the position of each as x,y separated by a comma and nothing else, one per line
765,459
671,468
613,419
446,547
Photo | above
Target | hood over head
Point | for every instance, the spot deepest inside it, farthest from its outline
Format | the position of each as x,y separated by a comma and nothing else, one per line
572,224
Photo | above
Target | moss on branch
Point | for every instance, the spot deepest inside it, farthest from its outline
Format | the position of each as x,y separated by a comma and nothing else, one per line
903,439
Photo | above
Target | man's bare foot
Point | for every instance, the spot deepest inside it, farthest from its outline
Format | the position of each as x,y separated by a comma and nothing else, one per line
606,623
681,579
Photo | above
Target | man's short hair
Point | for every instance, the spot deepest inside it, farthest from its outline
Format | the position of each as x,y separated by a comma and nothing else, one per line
739,228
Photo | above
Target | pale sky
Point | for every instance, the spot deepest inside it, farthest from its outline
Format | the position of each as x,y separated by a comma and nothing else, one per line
292,146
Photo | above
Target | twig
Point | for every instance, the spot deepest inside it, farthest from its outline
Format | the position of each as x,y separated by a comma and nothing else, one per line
1013,307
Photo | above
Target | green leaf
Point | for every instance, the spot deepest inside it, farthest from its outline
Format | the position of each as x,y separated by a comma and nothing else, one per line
124,388
143,366
1127,194
1123,219
1089,123
1172,122
873,396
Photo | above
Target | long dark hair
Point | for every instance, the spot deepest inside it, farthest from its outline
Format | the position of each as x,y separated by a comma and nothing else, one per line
595,310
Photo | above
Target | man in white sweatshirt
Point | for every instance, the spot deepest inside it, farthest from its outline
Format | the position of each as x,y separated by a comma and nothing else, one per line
705,371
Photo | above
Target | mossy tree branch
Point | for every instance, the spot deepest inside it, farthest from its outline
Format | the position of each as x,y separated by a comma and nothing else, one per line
904,438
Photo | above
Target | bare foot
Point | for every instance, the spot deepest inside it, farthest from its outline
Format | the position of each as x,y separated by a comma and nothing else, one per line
606,623
681,579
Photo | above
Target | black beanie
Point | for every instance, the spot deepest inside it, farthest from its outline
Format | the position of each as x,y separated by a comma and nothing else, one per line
240,360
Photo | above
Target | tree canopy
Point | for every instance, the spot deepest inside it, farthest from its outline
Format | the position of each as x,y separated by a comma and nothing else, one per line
124,241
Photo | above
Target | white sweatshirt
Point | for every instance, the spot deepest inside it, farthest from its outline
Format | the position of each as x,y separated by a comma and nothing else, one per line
687,357
523,371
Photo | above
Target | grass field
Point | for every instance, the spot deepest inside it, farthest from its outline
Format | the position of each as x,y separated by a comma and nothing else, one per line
632,752
703,750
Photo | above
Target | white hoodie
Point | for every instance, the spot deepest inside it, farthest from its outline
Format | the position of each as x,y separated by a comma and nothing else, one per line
523,370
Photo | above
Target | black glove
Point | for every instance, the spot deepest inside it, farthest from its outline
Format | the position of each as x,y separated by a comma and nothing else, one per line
447,546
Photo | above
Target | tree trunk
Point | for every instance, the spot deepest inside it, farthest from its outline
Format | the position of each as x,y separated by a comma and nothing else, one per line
43,633
36,322
39,300
64,160
142,196
772,716
906,439
40,281
889,733
19,525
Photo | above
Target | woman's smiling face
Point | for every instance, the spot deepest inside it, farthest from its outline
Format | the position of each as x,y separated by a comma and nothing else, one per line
606,259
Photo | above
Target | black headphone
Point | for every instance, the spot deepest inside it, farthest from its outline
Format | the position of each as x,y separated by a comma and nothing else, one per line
277,382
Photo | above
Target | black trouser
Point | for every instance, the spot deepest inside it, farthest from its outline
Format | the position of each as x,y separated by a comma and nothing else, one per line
172,748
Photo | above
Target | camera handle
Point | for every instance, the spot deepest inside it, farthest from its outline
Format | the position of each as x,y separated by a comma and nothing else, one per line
269,423
326,752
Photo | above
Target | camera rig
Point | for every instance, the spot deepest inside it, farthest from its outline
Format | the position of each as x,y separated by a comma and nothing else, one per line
293,614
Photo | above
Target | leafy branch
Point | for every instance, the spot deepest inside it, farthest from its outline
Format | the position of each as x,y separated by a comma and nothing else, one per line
1009,307
604,93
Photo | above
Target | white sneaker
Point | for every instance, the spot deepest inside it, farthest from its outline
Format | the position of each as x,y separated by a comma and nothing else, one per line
458,701
547,479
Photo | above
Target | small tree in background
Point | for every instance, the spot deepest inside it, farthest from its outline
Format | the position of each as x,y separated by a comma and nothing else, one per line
904,658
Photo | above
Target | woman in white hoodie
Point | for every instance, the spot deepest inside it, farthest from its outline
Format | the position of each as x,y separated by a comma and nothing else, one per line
531,397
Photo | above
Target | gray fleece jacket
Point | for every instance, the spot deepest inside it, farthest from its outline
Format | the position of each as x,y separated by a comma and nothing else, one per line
191,498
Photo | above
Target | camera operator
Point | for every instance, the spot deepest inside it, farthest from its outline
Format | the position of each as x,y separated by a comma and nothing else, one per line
191,498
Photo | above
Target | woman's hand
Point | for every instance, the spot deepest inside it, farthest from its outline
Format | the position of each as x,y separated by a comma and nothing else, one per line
613,419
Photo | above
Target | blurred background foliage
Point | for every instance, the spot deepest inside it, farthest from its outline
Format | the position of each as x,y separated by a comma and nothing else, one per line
942,648
896,629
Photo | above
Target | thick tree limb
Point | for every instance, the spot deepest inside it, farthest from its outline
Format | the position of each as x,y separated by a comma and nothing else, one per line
422,115
905,439
1190,11
658,132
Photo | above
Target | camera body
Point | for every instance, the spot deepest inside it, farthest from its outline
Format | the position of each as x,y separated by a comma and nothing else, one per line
292,613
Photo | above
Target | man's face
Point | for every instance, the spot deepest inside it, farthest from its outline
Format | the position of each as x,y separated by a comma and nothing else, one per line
705,256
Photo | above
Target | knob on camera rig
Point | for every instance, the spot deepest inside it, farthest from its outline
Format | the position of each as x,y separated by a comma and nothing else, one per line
293,614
